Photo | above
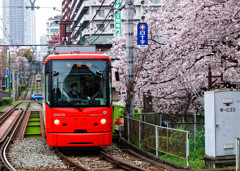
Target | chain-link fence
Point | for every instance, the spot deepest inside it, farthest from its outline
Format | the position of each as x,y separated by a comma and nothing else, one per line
196,132
195,128
171,141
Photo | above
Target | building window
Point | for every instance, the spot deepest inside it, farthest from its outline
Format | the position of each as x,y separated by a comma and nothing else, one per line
101,13
111,26
155,1
53,24
100,27
54,30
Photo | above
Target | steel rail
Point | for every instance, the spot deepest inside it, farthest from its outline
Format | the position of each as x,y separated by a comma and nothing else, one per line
5,115
115,161
32,86
69,162
4,118
8,140
23,126
28,86
119,163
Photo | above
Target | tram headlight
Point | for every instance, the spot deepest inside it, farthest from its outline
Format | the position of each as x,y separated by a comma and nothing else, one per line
103,121
56,122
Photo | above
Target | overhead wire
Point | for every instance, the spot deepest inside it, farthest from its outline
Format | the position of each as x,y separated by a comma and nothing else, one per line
5,32
95,14
105,17
119,8
102,24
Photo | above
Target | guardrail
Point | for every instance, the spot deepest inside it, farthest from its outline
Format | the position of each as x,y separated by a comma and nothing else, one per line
160,139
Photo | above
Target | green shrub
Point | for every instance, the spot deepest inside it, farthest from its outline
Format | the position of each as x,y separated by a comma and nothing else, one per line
23,87
7,101
6,91
176,141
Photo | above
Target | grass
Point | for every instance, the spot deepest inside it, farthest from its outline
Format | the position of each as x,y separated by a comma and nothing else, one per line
195,163
4,106
197,151
22,93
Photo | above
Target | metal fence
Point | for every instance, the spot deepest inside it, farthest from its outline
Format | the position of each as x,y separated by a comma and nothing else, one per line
195,127
171,141
196,132
237,154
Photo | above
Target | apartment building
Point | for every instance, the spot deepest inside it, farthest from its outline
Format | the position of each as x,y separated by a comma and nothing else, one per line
52,27
95,21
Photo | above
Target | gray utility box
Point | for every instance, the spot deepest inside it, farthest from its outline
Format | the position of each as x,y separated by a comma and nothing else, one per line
222,122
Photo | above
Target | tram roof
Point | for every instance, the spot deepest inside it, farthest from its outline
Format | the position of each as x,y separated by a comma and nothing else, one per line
77,55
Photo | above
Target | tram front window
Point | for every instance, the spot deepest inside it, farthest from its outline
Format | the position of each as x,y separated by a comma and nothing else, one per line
80,83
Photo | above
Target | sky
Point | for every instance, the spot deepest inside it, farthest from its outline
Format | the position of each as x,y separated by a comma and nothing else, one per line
42,15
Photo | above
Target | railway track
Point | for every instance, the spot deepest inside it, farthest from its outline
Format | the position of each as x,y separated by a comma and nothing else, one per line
99,159
28,85
30,89
9,126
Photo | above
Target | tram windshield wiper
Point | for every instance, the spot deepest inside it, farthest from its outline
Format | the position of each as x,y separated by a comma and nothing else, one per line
77,107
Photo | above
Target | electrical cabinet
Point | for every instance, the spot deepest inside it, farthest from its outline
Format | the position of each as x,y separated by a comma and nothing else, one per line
222,122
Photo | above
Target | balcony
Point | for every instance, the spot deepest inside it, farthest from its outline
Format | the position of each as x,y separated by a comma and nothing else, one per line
74,3
99,2
82,9
93,31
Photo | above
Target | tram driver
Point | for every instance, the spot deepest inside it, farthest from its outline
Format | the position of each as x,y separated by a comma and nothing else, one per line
74,93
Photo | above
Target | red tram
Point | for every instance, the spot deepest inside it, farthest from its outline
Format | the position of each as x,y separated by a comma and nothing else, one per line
78,100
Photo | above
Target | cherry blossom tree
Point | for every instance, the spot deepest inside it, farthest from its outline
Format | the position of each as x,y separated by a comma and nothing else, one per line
21,64
185,37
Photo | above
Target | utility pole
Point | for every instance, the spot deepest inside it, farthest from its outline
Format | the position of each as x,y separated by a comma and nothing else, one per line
130,103
32,4
13,81
210,76
9,73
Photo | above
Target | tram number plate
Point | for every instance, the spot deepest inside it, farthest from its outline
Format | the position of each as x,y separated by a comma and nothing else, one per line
59,114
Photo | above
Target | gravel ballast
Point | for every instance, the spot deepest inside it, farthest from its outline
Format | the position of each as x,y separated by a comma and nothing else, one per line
33,153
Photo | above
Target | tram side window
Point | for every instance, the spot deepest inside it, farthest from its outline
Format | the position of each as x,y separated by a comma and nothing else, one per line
47,89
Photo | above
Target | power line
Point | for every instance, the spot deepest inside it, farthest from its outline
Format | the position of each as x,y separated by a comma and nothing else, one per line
120,8
104,19
95,13
27,45
38,7
6,32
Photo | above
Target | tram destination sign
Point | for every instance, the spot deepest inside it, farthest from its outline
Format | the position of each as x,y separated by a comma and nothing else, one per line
142,35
